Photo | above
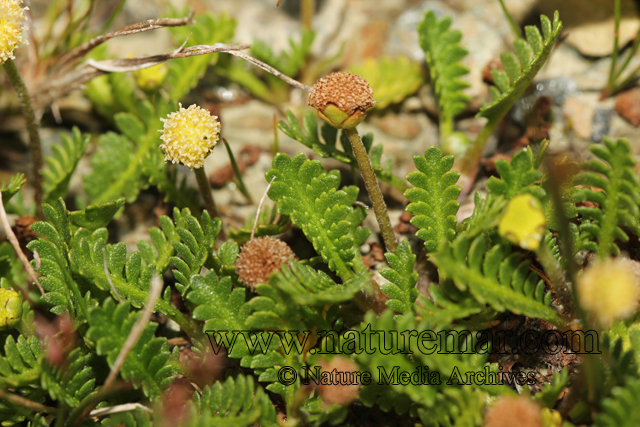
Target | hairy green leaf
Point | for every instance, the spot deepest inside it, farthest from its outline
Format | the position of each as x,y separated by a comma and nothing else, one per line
434,200
62,164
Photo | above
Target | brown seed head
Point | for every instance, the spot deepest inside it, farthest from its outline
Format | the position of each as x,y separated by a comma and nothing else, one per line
342,99
343,393
259,258
513,411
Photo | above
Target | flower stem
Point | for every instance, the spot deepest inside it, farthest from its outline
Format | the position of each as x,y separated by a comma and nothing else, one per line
205,191
371,183
32,128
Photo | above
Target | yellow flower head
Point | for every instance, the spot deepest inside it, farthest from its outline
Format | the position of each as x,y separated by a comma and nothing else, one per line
11,27
609,290
523,222
189,136
10,308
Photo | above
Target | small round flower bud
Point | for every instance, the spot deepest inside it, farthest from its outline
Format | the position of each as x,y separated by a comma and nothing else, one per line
523,222
11,27
10,308
342,99
513,411
259,258
609,290
150,79
189,136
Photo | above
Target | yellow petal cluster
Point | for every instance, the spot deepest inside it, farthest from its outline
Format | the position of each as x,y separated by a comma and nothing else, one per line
609,290
11,27
189,136
523,222
10,308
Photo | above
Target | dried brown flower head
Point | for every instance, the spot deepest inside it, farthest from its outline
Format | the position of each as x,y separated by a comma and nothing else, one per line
342,99
513,411
345,392
259,258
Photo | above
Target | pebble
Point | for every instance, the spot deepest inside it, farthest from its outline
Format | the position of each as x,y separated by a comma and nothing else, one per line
590,29
628,106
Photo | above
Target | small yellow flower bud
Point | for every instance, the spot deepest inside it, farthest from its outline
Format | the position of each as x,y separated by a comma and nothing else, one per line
609,290
189,136
342,99
11,27
523,222
151,78
10,308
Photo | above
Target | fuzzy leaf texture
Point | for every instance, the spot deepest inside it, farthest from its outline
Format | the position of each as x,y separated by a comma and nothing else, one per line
434,200
613,173
516,176
195,245
73,381
236,402
20,364
412,397
83,263
296,300
146,364
13,186
447,304
402,290
521,68
326,148
392,79
443,53
497,278
310,196
62,164
117,165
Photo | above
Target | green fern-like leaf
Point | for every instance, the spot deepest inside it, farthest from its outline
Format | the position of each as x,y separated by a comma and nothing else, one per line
447,304
516,176
73,382
308,287
146,364
20,365
15,184
402,289
434,200
443,53
521,68
310,196
412,396
614,174
497,278
325,147
621,409
94,217
392,79
62,164
236,402
195,246
78,264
